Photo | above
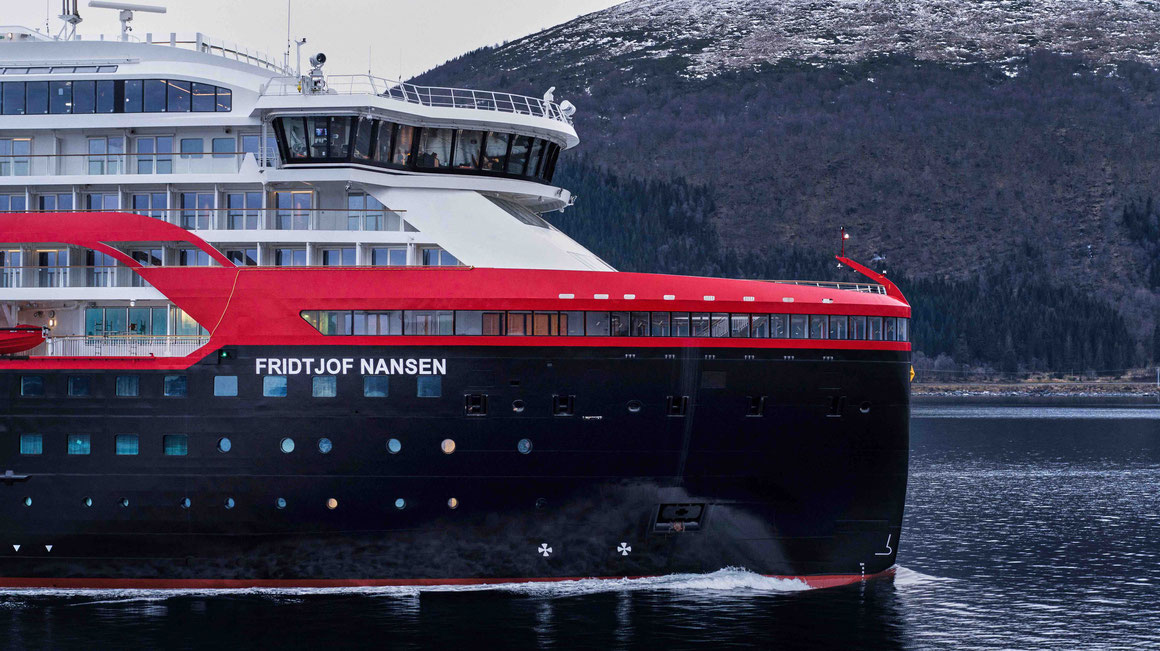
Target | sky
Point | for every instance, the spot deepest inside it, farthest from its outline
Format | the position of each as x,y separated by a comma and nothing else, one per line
397,38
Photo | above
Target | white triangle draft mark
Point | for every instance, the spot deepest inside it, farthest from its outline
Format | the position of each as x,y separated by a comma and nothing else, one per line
16,547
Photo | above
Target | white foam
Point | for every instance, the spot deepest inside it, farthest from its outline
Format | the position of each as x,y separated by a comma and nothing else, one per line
905,578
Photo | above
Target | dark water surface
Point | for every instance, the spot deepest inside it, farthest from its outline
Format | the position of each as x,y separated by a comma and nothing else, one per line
1026,527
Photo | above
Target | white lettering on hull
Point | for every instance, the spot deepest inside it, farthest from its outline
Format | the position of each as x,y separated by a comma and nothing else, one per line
346,366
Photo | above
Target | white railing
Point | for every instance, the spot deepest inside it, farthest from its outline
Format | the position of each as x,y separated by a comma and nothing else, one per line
200,43
484,100
121,346
869,288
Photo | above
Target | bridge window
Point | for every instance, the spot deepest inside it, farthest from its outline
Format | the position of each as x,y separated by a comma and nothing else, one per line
404,145
179,94
384,138
495,152
362,139
434,149
468,148
295,136
518,158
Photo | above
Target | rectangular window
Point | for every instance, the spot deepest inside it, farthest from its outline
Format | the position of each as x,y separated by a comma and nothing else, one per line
428,322
739,325
128,386
59,97
79,444
681,324
175,445
175,386
80,386
375,386
37,98
519,323
546,323
572,324
468,147
378,323
404,139
659,324
875,330
903,329
243,211
817,327
495,152
225,386
31,444
479,323
597,323
700,324
192,147
798,326
179,94
719,325
274,386
430,386
223,147
518,158
155,96
126,444
225,99
31,385
106,96
891,329
343,257
393,257
434,149
760,328
857,327
14,98
325,386
640,324
362,139
838,327
618,324
133,100
84,96
203,97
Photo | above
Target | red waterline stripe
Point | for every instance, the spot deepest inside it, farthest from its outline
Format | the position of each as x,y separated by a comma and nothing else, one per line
814,581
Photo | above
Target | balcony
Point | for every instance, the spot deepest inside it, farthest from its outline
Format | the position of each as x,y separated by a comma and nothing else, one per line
152,164
120,346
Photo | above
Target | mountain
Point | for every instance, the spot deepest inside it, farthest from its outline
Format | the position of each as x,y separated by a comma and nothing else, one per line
1005,151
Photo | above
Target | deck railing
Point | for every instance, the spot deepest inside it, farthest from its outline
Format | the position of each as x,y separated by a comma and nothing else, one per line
121,346
268,219
869,288
434,96
136,164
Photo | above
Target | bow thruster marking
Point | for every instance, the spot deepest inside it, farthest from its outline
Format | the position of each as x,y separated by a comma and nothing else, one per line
889,549
623,549
544,550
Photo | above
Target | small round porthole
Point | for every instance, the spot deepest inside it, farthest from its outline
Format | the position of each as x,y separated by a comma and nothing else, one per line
280,502
448,446
230,503
524,446
287,445
394,446
325,446
28,501
518,406
864,407
452,503
332,504
634,406
124,502
185,503
88,501
400,503
224,445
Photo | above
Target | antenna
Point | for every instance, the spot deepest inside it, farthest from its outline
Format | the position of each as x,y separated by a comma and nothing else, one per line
71,17
126,10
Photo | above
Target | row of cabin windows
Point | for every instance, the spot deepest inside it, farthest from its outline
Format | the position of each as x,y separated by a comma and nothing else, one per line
273,386
604,324
112,96
174,445
379,142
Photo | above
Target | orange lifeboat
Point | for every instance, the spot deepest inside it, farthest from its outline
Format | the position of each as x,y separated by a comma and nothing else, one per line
20,338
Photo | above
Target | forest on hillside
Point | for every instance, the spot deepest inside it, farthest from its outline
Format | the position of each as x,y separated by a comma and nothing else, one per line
1009,319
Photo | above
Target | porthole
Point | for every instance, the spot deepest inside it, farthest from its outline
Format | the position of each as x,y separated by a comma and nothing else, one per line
864,407
325,446
224,445
394,446
452,503
28,501
332,504
185,503
280,502
230,503
524,446
124,502
88,501
287,445
634,406
400,503
448,446
518,406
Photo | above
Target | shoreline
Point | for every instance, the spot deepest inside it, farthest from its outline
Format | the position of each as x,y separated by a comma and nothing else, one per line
1038,392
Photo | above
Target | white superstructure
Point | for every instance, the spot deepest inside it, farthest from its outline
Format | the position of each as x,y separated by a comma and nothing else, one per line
271,167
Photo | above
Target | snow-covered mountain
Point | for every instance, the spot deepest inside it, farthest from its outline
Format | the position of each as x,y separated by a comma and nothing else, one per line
714,35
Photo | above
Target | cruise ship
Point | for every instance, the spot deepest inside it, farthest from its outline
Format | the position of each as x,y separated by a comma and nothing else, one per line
265,326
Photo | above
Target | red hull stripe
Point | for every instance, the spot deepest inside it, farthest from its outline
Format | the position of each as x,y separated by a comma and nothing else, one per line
816,581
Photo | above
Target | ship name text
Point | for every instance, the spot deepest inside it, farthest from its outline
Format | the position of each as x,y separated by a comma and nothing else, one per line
345,365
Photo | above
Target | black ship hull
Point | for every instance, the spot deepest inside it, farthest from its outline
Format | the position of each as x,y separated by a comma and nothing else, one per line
658,461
